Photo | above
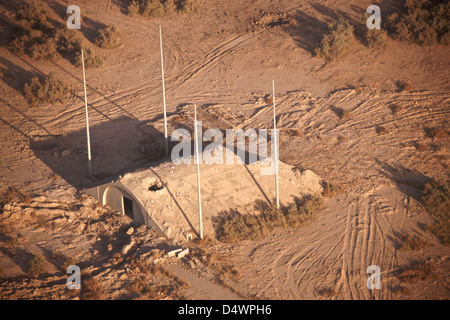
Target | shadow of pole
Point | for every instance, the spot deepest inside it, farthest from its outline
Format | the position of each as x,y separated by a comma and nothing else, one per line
18,130
96,91
176,202
27,117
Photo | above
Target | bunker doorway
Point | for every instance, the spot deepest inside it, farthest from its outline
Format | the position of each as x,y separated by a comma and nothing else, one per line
128,207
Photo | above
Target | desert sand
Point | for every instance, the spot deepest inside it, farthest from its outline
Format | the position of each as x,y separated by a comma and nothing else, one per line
224,62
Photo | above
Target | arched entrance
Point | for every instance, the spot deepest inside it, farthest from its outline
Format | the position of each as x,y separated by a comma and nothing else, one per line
123,201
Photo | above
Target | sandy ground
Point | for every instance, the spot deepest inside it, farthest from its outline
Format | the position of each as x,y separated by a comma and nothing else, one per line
219,60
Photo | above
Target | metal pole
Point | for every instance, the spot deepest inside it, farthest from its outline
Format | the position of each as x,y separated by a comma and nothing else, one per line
87,118
166,140
198,173
275,144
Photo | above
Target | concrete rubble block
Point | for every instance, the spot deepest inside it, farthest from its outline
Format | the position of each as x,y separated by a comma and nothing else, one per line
173,253
183,253
65,153
128,246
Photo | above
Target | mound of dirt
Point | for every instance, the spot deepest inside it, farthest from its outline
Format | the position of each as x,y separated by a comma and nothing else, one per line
174,204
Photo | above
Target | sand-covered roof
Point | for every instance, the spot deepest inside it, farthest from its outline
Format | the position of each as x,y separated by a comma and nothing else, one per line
223,187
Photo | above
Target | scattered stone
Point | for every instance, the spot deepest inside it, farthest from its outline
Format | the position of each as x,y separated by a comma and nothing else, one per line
172,253
127,247
65,153
183,253
130,231
110,247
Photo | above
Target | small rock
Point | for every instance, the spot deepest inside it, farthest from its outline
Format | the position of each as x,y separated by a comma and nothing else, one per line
123,276
158,260
172,253
65,153
130,231
110,247
127,247
183,253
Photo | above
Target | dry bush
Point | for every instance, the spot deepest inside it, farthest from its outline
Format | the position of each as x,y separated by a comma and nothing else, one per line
62,261
35,36
337,42
436,200
48,89
408,242
345,114
91,290
421,146
418,271
399,290
437,133
159,8
234,226
375,38
14,194
137,286
327,292
268,99
331,190
404,85
372,38
381,130
108,37
37,266
395,108
91,59
188,6
294,132
207,240
425,22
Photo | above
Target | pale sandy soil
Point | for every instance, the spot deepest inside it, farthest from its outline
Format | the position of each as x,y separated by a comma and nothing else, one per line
218,60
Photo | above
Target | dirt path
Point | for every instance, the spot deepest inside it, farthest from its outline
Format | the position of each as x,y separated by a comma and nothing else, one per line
333,253
201,289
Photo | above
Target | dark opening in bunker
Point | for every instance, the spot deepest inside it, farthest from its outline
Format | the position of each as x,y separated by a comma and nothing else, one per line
128,207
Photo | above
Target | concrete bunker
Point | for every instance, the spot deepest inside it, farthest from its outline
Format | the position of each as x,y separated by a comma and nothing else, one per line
122,199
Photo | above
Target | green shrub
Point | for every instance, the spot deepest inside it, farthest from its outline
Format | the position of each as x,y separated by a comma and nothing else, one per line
108,37
337,42
436,200
425,22
48,89
37,266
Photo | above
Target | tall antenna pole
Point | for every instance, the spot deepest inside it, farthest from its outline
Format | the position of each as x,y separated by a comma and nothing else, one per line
166,140
198,172
275,144
87,118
